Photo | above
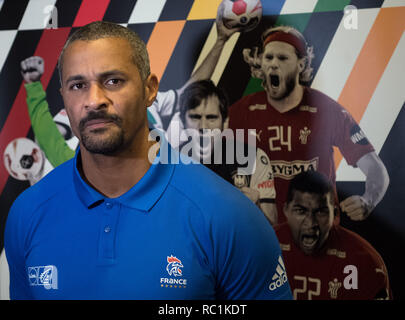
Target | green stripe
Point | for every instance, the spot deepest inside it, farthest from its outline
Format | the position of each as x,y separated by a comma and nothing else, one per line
331,5
297,20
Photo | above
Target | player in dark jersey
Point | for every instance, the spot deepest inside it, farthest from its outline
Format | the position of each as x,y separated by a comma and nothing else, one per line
298,126
324,260
204,111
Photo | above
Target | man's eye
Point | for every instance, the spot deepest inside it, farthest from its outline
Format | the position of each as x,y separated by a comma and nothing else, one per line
269,57
299,211
194,116
77,86
282,58
114,82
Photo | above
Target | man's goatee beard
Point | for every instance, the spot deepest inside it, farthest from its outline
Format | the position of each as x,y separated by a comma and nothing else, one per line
108,146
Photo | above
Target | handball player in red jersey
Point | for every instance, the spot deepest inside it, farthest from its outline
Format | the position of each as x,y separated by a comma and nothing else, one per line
298,126
324,260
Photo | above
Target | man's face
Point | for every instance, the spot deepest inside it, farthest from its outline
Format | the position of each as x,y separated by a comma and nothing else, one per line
104,95
281,68
310,217
205,116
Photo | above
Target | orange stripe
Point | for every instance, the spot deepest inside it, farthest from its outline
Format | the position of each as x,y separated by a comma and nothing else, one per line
371,63
162,43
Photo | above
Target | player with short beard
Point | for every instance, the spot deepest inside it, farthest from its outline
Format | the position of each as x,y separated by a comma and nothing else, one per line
89,227
298,126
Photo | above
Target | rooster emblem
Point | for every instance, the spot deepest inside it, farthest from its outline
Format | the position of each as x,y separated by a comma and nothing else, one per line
173,266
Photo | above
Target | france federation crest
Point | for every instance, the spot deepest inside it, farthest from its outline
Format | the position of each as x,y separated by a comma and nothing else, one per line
173,266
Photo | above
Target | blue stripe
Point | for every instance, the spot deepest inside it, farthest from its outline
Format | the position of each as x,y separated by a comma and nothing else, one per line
185,54
144,30
319,33
272,7
176,10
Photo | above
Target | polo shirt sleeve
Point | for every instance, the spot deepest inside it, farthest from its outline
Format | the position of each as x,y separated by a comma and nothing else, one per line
14,238
247,254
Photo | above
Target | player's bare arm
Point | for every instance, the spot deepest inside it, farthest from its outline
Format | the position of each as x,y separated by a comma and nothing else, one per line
207,67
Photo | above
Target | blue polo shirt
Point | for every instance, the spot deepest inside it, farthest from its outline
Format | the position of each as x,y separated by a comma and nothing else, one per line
180,233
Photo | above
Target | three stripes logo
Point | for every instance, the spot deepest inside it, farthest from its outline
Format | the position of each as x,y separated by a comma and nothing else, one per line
280,276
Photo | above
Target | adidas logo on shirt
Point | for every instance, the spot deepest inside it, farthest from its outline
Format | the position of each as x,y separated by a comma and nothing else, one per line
279,277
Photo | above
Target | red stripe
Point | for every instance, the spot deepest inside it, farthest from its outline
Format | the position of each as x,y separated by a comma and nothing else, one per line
89,11
18,122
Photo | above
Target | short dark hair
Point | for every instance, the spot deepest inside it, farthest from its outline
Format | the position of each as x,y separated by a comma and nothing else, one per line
104,29
196,92
312,182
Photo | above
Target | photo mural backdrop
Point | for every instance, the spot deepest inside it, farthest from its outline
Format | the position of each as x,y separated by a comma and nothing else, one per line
359,54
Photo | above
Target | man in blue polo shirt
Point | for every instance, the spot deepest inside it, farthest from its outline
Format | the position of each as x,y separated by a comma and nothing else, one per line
109,224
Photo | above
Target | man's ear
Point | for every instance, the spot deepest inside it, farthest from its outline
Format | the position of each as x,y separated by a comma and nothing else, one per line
151,89
301,64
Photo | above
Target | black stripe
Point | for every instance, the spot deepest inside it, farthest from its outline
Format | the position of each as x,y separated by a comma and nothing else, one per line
119,11
53,95
23,47
12,13
11,190
364,4
67,12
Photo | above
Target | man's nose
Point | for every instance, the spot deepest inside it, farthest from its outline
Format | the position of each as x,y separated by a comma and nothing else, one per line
96,98
311,219
274,66
274,63
203,124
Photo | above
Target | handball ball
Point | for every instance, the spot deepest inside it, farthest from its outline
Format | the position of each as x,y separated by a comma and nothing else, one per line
242,14
23,159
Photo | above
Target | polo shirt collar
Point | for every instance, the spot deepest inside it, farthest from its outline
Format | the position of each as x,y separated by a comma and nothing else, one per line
142,196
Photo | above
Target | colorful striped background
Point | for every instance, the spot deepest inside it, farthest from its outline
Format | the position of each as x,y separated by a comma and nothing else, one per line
362,68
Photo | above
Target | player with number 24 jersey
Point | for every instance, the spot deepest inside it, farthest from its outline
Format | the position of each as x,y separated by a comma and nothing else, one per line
302,138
